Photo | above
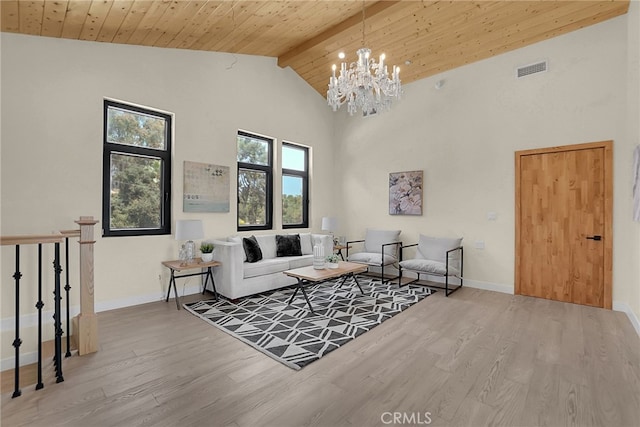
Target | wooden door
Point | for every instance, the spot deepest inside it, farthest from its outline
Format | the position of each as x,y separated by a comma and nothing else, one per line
564,236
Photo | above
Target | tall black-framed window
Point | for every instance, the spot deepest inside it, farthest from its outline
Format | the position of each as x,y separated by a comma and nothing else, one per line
295,186
136,176
255,182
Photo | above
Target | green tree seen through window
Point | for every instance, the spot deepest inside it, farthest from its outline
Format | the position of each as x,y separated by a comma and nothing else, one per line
136,144
254,171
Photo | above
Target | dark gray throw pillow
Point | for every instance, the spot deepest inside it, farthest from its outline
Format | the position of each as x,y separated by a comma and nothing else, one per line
288,245
252,249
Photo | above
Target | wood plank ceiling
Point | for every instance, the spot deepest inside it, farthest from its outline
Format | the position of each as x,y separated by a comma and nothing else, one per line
423,37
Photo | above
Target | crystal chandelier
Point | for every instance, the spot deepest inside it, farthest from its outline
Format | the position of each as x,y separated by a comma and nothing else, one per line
365,84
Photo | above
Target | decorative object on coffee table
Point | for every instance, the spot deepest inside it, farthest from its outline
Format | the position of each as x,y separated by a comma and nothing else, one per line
332,260
318,257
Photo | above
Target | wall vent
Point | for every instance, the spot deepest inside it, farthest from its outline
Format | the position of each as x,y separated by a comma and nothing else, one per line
527,70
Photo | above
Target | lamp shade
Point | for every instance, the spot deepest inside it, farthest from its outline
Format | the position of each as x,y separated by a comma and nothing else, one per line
189,229
329,223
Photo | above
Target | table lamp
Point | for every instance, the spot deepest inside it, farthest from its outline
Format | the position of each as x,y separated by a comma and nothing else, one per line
330,224
189,229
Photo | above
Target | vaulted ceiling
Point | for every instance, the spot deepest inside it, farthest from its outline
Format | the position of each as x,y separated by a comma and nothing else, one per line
423,37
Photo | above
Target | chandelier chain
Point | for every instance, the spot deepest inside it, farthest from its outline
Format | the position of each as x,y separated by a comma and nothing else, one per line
363,18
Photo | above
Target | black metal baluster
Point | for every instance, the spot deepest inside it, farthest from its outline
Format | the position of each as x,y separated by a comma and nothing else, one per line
57,320
39,306
17,342
67,288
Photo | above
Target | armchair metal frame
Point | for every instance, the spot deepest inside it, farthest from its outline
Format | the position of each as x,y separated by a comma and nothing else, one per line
382,264
446,289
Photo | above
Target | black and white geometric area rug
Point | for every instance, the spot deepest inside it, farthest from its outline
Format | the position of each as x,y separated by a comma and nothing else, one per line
295,336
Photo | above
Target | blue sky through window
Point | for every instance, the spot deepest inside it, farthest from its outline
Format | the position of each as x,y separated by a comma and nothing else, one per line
291,185
292,158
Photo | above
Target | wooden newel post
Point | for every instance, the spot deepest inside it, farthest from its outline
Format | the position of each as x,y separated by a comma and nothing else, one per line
85,324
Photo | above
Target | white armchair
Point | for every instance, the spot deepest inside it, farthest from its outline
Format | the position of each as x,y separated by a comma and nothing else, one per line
381,249
435,256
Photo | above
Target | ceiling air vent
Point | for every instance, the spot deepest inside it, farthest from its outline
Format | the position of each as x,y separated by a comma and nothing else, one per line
527,70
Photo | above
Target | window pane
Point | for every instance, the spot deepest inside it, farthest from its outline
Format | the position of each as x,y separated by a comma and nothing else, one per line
293,158
291,200
136,192
252,190
253,150
132,128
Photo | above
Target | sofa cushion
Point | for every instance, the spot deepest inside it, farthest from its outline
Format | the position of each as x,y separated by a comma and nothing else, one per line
374,239
435,249
252,249
305,244
288,245
267,245
265,266
371,258
429,267
299,261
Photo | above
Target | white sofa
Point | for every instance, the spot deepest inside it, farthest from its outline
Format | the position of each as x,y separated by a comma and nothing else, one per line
236,278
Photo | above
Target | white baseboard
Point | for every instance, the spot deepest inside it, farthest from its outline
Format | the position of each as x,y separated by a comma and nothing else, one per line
621,306
25,359
31,320
488,286
144,299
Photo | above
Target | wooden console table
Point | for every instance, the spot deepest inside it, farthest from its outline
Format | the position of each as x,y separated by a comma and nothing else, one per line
177,265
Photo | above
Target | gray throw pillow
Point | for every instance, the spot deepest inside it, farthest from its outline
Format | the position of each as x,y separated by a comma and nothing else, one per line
252,249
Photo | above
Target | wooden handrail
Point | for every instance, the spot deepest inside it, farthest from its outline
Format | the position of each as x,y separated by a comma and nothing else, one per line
33,239
70,233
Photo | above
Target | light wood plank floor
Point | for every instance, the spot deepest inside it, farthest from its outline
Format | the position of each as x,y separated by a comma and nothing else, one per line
477,358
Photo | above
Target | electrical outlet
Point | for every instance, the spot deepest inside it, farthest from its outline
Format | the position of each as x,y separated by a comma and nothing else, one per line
492,216
479,244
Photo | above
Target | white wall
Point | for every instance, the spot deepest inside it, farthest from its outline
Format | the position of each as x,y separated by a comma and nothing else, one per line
464,137
52,102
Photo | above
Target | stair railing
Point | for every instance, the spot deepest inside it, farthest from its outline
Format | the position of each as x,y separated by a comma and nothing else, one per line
85,324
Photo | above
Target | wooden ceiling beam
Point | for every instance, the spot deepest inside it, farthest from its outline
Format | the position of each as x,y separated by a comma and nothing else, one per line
287,58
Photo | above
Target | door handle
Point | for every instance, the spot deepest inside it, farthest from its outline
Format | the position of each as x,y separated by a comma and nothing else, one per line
596,237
